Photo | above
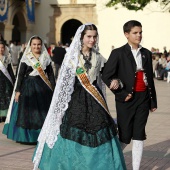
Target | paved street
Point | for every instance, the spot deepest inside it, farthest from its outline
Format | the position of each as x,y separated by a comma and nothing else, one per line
156,156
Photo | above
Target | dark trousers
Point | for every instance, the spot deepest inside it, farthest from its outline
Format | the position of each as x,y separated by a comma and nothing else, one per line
132,117
164,73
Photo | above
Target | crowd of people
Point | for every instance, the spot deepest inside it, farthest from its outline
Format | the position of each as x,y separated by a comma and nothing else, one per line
161,63
65,112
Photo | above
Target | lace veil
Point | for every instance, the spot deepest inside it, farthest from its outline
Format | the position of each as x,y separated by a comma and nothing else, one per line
7,57
44,57
61,97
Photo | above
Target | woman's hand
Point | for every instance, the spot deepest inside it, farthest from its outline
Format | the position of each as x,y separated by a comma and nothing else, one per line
114,85
17,94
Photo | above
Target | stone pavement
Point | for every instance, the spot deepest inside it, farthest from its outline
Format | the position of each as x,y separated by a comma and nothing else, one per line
156,156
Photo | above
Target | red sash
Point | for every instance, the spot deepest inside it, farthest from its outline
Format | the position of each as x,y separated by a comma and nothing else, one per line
139,82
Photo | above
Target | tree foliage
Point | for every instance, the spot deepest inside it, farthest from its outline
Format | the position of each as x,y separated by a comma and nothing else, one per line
138,4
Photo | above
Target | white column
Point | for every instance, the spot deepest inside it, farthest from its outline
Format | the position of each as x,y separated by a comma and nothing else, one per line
23,35
29,31
8,32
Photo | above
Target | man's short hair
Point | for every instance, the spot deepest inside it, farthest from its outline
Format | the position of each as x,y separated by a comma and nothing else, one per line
130,24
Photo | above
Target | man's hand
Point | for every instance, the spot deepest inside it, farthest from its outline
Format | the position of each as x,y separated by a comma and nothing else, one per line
17,94
114,85
128,97
153,109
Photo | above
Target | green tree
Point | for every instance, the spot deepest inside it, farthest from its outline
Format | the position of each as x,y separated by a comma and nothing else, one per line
138,4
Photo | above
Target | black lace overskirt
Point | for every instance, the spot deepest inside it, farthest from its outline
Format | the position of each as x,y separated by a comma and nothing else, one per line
34,103
85,121
6,89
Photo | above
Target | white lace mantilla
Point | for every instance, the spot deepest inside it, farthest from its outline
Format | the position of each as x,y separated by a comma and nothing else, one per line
6,58
44,60
98,62
61,97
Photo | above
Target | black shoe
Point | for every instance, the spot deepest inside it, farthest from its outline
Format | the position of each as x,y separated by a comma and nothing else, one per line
27,143
2,119
159,78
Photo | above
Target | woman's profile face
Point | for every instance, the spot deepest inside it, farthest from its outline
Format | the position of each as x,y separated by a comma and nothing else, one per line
36,46
90,38
2,49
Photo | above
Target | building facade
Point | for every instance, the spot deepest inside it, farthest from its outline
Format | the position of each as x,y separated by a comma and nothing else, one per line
57,21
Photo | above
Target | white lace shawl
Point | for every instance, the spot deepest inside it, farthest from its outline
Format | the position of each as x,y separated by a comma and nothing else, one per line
98,62
44,59
6,59
61,97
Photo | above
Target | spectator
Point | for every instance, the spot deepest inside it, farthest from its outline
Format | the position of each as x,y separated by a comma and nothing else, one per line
57,56
164,72
154,64
51,48
165,52
14,53
161,64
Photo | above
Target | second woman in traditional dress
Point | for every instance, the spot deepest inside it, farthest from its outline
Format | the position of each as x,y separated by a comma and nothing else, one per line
32,94
79,133
7,80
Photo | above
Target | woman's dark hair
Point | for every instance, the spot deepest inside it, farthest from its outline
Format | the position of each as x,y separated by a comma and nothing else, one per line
1,42
35,38
130,24
88,27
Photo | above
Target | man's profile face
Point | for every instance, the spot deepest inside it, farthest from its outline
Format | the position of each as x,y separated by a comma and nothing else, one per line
134,37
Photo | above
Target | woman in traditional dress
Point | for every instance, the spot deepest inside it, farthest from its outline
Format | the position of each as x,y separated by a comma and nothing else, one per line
79,133
32,94
7,79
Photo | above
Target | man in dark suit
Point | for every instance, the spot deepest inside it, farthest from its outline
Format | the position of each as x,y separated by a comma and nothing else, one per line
57,57
131,65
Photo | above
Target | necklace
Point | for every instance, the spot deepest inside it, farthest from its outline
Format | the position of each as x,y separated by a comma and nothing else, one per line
87,58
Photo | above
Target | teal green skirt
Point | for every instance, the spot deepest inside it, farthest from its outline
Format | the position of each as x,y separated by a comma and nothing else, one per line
70,155
17,133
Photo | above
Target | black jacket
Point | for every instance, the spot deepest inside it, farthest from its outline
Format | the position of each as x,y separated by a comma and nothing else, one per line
59,54
121,65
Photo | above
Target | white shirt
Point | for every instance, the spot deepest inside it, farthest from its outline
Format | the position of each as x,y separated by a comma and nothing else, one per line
138,57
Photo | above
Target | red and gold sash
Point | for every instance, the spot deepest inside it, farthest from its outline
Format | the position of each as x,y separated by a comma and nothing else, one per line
37,66
82,76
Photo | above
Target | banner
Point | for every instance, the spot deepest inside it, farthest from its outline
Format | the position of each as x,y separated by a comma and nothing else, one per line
30,10
3,10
